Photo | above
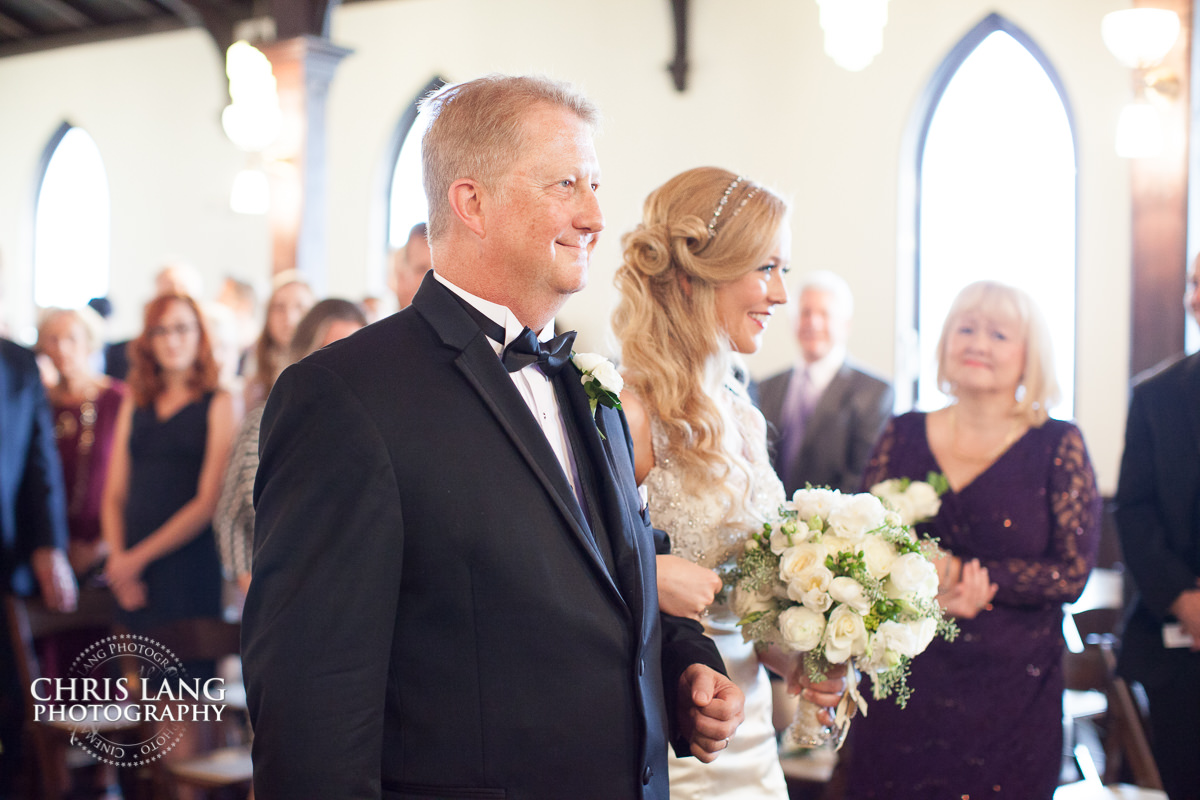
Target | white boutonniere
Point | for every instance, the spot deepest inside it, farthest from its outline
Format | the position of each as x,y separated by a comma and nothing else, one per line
600,380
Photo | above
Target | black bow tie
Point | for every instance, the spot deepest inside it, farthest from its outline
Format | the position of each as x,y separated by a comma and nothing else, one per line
551,356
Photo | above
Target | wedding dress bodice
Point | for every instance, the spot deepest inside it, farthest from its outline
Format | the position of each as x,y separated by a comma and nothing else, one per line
709,528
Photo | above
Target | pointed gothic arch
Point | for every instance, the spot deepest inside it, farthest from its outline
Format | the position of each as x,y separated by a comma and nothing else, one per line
931,270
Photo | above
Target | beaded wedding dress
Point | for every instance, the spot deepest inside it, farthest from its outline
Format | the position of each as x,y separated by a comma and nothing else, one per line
709,529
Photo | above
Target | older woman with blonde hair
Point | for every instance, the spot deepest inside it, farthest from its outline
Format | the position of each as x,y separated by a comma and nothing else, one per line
1020,524
700,279
85,404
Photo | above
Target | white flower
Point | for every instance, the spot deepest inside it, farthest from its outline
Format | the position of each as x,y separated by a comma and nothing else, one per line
802,628
924,630
897,637
745,602
811,588
811,503
851,592
788,534
912,573
599,369
878,554
801,558
845,635
836,544
918,502
855,515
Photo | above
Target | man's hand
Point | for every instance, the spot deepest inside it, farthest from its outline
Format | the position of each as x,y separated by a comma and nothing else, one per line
710,709
55,578
1186,609
685,589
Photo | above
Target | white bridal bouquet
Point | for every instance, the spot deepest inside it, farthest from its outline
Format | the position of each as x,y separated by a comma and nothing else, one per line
844,580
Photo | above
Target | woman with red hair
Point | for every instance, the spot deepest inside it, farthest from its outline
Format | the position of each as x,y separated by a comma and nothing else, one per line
171,445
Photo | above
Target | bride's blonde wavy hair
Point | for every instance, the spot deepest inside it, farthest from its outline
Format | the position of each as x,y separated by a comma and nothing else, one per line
674,353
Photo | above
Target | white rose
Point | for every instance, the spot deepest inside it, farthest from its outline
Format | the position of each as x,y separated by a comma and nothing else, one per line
745,602
878,554
608,376
923,502
811,503
788,534
850,592
587,361
836,544
801,558
897,637
912,573
811,588
855,515
845,635
924,630
801,628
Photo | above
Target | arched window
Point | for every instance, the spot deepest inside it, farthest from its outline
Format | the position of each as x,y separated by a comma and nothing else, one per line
995,193
406,192
72,222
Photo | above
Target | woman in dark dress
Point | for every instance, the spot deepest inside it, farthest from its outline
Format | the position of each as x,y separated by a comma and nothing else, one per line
172,442
1021,524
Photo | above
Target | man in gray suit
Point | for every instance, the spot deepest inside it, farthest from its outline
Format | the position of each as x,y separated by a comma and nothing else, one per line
824,413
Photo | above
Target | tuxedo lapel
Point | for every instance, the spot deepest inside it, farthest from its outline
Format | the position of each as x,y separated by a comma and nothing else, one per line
483,371
612,505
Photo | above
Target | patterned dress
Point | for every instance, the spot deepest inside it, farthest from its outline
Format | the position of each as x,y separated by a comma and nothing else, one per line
703,530
985,716
84,433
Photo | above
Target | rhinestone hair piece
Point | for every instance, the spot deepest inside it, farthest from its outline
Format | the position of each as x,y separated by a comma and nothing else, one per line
724,201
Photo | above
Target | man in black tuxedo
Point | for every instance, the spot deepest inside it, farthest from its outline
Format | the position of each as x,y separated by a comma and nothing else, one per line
453,588
33,525
824,412
1158,519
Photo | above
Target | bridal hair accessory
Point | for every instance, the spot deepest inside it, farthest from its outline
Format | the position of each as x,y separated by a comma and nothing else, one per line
600,380
712,223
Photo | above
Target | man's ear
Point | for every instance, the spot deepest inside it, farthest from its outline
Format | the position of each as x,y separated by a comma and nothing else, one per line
466,201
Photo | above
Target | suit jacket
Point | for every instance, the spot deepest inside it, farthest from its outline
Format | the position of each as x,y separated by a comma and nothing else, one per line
1158,515
32,500
839,435
428,615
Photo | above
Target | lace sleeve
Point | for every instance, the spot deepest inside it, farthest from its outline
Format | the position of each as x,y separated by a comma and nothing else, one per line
1060,576
233,520
879,464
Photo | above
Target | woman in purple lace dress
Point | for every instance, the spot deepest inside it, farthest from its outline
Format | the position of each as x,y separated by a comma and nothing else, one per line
1021,524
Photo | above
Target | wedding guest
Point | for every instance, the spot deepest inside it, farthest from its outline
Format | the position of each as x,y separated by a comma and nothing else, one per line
170,448
410,263
1160,536
453,590
701,277
240,298
174,278
291,300
85,404
1020,524
33,527
824,412
328,321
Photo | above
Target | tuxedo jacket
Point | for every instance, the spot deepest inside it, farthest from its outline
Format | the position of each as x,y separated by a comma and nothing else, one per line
32,500
838,436
1158,516
429,615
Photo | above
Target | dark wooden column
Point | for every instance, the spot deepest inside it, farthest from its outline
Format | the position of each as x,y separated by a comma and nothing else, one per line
1159,238
303,67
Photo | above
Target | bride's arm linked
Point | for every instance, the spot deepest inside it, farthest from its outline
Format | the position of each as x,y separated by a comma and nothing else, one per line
685,589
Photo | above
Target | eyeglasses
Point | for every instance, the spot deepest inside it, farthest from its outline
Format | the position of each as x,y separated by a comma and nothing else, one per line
181,330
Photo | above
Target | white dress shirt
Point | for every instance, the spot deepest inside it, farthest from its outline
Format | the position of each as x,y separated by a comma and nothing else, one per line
534,387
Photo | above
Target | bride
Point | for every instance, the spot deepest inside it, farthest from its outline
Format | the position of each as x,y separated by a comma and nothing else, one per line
699,281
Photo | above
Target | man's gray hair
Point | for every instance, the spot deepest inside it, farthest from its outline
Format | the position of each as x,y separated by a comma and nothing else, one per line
822,280
476,130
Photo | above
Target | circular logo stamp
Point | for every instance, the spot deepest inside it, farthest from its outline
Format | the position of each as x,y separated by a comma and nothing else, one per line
129,700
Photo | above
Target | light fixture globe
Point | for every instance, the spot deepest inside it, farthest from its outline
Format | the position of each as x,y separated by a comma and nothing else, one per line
1140,37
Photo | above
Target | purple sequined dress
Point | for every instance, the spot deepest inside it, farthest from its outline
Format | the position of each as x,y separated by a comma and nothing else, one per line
985,716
